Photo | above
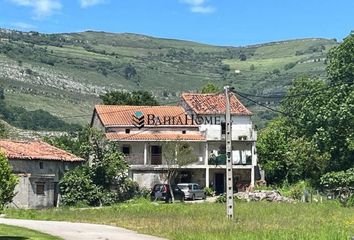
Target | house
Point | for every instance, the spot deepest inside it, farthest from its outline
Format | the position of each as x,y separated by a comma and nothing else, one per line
199,119
39,167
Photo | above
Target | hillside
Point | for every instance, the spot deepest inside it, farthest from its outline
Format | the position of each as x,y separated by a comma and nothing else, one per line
65,73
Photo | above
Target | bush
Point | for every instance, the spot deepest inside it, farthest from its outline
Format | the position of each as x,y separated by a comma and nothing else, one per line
77,188
209,192
8,181
297,190
289,66
350,202
221,198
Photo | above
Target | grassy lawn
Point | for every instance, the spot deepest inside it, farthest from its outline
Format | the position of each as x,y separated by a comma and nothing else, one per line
255,220
16,233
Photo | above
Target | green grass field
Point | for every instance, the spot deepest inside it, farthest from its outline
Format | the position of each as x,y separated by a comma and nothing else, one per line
16,233
254,220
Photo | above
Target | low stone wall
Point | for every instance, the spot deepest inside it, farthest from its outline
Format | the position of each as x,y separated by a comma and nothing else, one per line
263,195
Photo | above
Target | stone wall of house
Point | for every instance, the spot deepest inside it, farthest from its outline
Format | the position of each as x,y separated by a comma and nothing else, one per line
38,182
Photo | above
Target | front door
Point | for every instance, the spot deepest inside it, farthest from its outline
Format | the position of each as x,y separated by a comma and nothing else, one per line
219,183
156,155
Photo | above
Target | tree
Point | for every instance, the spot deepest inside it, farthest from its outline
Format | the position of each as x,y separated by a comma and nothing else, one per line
139,98
3,130
2,95
210,88
226,67
286,157
91,184
319,120
243,57
129,71
177,154
252,67
8,181
341,62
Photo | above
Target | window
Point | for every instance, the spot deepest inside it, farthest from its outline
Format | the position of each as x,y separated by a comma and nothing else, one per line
156,155
40,165
223,128
127,131
126,149
184,131
40,188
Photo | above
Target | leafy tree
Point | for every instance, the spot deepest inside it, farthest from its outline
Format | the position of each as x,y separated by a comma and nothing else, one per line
243,57
210,88
3,131
2,95
226,67
289,66
129,71
318,120
177,154
341,62
77,188
139,98
91,184
8,182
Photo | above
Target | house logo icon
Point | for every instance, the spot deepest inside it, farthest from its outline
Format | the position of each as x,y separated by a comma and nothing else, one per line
138,119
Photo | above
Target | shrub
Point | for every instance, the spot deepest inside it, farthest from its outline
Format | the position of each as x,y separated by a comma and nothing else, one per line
289,66
209,192
77,188
350,202
297,190
221,198
8,181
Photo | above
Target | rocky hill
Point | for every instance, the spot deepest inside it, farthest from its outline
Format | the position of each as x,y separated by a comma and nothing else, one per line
65,73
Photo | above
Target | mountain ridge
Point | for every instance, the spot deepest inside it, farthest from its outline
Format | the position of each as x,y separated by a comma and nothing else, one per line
65,73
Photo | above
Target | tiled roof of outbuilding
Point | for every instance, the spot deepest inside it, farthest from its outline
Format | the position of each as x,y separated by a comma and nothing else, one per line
214,104
29,150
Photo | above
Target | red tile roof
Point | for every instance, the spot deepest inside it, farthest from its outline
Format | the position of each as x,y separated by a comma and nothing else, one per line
123,115
155,137
214,104
35,150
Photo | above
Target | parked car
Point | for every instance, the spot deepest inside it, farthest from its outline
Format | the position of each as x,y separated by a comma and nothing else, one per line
192,191
162,192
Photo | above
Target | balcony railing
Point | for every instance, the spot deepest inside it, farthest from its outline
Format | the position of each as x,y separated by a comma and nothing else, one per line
221,160
134,159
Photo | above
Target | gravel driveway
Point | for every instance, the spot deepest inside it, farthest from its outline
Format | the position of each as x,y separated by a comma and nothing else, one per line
79,231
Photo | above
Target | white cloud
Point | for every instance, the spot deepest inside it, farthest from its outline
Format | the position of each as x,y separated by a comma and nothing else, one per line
199,6
41,8
23,25
194,2
202,9
89,3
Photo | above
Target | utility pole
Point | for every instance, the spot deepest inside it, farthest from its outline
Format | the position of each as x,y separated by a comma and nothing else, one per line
229,181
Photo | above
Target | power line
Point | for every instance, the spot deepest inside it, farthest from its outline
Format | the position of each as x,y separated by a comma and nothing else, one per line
289,96
262,105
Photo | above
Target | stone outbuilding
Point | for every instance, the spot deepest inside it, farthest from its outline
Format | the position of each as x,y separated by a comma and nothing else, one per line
39,167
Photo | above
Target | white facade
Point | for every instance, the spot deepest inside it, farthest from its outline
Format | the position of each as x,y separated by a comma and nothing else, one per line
145,155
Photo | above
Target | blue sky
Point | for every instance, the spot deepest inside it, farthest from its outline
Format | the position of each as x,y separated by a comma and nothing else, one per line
218,22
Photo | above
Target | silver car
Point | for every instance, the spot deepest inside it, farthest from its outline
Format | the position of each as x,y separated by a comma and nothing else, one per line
192,190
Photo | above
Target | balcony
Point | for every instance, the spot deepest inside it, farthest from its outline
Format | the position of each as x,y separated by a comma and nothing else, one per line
134,159
221,160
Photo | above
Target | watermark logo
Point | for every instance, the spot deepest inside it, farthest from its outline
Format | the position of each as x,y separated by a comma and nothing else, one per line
138,119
